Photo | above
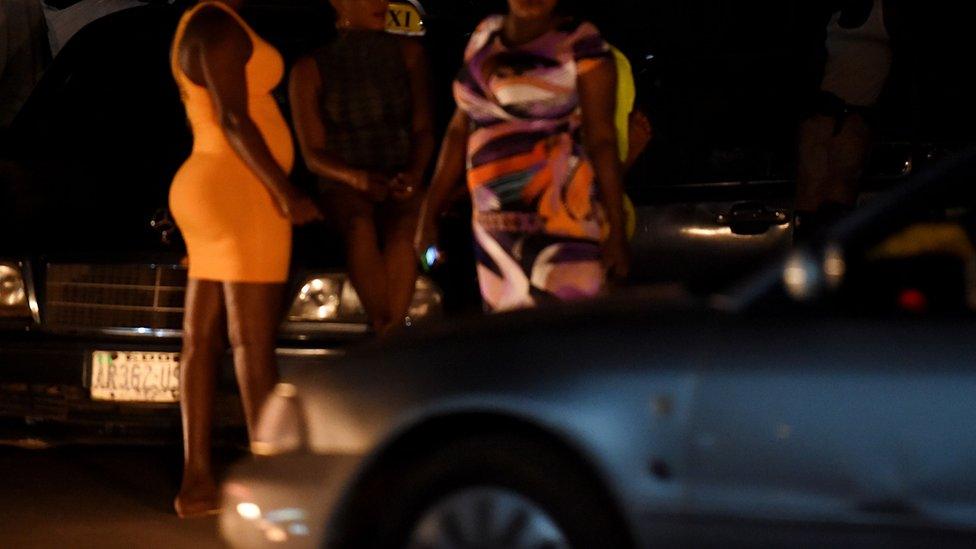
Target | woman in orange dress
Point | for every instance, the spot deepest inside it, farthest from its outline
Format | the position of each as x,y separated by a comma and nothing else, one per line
235,207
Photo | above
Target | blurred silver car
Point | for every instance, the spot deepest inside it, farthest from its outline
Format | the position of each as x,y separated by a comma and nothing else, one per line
829,402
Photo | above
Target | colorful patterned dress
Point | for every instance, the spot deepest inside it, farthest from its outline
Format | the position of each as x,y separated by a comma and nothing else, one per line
537,219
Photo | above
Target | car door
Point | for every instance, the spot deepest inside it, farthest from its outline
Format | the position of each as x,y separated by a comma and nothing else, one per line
865,423
711,233
857,411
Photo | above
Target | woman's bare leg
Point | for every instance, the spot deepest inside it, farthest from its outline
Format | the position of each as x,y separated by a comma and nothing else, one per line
366,269
400,265
203,343
254,312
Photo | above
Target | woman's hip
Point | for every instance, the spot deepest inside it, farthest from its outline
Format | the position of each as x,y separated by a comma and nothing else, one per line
206,191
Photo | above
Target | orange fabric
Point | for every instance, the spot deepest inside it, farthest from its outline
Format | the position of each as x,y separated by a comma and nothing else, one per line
586,65
233,231
488,172
542,179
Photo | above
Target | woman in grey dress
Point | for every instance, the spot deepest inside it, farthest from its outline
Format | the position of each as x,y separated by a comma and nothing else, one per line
362,115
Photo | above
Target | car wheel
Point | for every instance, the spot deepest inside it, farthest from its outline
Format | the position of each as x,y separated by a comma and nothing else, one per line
490,491
486,516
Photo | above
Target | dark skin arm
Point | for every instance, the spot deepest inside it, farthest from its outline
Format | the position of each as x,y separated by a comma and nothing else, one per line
447,176
304,88
597,92
213,53
406,183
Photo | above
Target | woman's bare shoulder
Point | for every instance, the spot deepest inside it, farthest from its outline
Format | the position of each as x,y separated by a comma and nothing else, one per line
305,67
212,25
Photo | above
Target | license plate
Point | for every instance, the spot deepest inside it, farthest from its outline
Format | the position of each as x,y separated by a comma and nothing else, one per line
135,376
405,18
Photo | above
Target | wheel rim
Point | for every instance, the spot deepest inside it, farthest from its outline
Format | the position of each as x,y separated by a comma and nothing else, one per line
486,517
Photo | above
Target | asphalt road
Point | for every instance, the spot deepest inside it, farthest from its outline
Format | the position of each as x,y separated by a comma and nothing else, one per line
98,497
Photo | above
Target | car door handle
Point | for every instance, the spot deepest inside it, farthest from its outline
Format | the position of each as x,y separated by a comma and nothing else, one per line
751,218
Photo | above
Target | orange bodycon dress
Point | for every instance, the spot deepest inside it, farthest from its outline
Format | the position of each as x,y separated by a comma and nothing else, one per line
233,231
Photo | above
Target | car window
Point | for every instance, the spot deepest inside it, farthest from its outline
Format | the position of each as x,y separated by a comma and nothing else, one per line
115,157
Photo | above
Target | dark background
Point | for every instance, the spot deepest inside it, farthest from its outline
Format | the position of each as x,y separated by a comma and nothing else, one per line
723,82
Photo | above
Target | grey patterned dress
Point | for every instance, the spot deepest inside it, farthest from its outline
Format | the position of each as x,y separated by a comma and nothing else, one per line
366,103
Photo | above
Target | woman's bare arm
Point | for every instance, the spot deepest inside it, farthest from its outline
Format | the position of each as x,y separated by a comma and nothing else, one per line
214,53
597,90
422,131
304,87
447,175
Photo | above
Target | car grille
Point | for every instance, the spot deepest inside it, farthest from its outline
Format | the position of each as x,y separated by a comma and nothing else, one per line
129,296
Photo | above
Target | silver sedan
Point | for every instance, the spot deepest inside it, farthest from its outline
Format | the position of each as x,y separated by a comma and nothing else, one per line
829,402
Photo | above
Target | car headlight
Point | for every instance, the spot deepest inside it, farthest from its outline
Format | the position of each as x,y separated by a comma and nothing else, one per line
321,299
331,298
13,292
281,426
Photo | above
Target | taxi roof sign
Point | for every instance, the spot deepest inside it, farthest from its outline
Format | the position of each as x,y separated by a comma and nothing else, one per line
406,17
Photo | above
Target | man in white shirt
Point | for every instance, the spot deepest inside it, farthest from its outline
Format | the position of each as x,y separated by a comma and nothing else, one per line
835,139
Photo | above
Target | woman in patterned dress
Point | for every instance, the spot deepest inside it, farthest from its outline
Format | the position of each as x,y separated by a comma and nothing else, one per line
534,129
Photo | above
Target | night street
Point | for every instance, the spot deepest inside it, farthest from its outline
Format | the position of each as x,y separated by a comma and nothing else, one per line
101,497
487,274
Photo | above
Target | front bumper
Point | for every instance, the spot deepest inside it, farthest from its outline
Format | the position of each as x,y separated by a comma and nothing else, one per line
283,501
45,380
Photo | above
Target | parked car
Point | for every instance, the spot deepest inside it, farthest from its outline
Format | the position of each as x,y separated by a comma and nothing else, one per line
827,402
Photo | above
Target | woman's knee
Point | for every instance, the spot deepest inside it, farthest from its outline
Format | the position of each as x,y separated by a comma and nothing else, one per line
248,336
202,340
253,314
359,226
203,321
203,335
405,230
253,329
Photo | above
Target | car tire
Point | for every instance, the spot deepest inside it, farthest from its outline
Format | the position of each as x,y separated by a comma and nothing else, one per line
514,473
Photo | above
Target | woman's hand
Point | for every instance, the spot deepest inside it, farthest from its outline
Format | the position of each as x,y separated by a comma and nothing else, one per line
616,257
376,187
425,237
404,186
298,208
